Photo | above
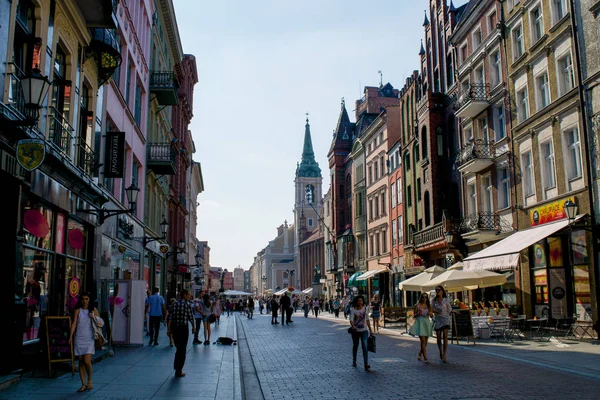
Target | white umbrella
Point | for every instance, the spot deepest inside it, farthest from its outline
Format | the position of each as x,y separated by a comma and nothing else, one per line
455,280
417,282
236,293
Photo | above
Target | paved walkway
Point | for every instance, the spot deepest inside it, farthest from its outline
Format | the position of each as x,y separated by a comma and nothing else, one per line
212,372
311,358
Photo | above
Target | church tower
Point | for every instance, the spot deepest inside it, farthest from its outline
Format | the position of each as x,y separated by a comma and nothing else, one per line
308,196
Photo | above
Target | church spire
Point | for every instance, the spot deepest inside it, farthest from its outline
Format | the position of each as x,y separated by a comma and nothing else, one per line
308,167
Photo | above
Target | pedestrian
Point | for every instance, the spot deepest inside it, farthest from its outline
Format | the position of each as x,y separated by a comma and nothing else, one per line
155,308
206,311
198,317
171,302
361,329
260,305
241,306
285,304
180,314
84,346
311,306
336,307
305,307
316,304
268,305
441,310
147,318
274,309
250,307
346,305
376,312
217,310
422,326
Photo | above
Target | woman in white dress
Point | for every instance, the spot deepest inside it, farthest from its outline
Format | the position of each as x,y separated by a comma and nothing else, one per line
84,345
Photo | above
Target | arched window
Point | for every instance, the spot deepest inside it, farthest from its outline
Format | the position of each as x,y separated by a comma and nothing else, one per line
424,150
416,152
309,191
427,209
407,161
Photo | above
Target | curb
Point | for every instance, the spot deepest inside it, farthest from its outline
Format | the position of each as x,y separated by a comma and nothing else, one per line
251,388
7,381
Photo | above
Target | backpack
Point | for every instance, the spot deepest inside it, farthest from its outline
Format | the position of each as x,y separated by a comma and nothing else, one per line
226,341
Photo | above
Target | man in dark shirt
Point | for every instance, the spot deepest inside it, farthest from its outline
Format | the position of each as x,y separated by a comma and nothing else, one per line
179,314
285,307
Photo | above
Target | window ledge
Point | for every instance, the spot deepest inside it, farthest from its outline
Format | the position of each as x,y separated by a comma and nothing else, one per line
519,59
538,43
559,23
576,178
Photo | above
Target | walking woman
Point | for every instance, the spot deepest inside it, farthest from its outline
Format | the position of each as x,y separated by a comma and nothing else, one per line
422,326
441,310
205,310
84,339
316,304
361,329
217,309
274,309
376,312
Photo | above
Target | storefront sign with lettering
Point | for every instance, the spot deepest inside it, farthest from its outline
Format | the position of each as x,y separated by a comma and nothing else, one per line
549,212
114,155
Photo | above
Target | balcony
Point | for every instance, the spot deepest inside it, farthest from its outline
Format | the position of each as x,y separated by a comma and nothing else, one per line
98,13
473,101
164,86
476,156
161,158
429,237
360,224
60,132
86,157
483,225
106,47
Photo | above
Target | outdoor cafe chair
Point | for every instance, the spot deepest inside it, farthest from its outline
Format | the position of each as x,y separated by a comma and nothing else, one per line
516,327
500,329
537,328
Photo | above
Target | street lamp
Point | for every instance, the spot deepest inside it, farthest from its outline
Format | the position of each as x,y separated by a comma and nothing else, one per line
164,228
570,209
131,192
35,89
222,278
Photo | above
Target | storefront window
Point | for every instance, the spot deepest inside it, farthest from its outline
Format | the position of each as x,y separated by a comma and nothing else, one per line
125,262
36,266
37,226
106,272
76,240
74,282
540,279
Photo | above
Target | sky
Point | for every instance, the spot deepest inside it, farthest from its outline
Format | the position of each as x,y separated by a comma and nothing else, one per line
262,65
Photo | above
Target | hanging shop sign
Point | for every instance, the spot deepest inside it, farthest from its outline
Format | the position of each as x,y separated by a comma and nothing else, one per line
549,212
114,155
31,153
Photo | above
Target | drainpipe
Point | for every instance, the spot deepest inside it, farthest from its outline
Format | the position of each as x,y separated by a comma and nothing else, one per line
589,144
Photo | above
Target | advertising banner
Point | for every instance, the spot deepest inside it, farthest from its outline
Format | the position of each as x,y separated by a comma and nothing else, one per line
114,155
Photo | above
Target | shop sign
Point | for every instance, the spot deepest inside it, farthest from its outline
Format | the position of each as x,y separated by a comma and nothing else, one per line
125,228
549,212
164,248
182,269
417,262
114,155
31,153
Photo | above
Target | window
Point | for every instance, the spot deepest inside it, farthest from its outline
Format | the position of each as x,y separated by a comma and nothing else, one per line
472,199
477,38
371,245
393,195
491,22
394,232
566,77
128,83
503,188
399,189
138,104
483,125
488,205
408,196
499,123
543,91
310,222
416,150
559,9
377,243
463,53
517,39
528,174
376,202
496,68
382,165
424,151
384,241
371,208
537,22
383,209
522,105
407,161
574,154
479,75
468,134
400,229
548,164
376,167
370,174
418,189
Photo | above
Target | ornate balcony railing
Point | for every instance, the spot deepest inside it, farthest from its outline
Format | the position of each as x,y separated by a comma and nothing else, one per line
429,235
481,221
473,101
163,85
86,157
476,150
61,132
161,158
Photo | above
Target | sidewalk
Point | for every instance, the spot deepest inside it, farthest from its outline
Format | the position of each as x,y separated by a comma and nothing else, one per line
578,357
212,372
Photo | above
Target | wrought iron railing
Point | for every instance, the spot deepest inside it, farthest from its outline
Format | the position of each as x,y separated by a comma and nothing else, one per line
86,157
481,221
429,235
161,152
15,90
61,132
475,92
163,79
478,149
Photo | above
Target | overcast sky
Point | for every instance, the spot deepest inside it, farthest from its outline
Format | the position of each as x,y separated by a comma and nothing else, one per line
262,65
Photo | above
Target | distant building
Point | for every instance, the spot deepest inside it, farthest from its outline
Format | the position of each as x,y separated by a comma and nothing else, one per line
238,279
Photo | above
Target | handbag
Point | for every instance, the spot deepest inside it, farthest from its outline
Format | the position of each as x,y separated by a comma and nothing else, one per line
372,344
351,330
97,324
212,318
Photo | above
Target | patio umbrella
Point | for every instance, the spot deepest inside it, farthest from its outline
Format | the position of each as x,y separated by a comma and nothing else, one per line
236,293
454,280
417,282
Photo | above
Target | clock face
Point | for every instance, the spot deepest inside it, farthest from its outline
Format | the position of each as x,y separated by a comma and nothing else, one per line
31,153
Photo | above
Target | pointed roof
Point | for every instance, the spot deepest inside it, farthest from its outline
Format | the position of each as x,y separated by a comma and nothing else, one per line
422,51
344,132
308,167
426,22
452,8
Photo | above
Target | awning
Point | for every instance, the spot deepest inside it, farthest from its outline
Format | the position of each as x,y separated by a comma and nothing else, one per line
370,274
308,290
505,254
352,280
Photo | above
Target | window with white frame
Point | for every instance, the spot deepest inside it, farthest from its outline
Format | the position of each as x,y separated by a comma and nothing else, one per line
394,232
310,222
479,75
559,10
383,204
468,133
370,174
472,198
376,201
384,241
463,53
492,20
400,230
496,68
528,174
499,123
399,190
370,208
522,104
393,195
574,167
549,171
537,23
488,188
565,75
483,126
542,88
517,41
477,38
503,188
376,168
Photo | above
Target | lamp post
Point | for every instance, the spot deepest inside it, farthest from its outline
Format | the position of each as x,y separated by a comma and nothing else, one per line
222,278
132,193
174,271
199,270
